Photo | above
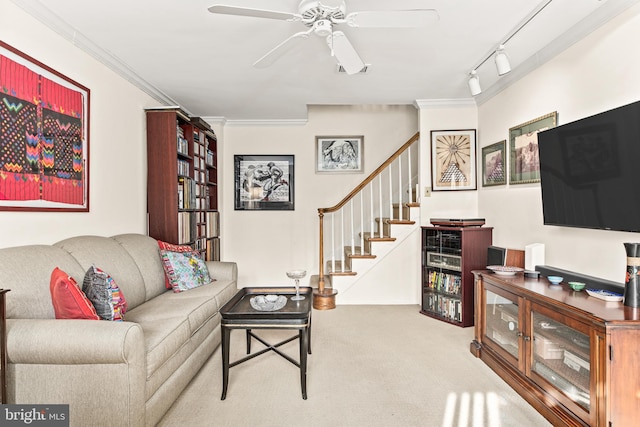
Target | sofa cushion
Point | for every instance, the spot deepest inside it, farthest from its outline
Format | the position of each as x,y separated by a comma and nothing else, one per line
104,294
69,302
110,256
169,320
186,270
144,251
30,296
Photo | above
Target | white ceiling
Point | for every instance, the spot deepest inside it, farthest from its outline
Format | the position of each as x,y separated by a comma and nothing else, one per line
182,54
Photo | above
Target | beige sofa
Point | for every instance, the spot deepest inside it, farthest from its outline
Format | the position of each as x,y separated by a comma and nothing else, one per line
110,373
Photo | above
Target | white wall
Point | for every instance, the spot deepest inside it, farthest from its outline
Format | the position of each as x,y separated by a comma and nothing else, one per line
597,74
265,244
117,141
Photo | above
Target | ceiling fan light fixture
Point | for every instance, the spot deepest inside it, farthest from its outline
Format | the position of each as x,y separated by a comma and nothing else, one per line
474,83
322,27
502,61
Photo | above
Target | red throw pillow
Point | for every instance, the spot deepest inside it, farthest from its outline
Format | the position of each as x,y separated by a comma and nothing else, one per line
69,302
164,246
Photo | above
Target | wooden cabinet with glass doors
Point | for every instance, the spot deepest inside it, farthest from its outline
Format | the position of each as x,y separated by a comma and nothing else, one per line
571,356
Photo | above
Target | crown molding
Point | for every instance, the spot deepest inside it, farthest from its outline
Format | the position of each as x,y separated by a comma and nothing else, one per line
275,122
38,10
422,104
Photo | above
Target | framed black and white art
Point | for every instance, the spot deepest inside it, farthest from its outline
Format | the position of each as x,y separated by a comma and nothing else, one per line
339,154
264,182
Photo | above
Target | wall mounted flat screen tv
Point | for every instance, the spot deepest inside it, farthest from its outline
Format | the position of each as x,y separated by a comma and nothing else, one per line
590,171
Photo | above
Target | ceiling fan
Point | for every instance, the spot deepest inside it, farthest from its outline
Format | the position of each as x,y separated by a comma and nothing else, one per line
321,20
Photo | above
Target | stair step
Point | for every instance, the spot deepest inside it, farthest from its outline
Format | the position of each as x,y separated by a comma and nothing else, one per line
344,273
406,211
367,235
339,270
401,221
357,252
382,239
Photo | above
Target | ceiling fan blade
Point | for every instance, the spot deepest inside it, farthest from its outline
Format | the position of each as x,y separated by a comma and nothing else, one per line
257,13
270,57
344,52
411,18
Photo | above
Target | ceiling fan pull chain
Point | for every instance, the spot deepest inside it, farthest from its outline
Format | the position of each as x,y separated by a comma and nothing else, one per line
332,52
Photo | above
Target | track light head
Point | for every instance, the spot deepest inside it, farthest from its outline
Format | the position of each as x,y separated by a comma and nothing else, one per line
474,83
502,61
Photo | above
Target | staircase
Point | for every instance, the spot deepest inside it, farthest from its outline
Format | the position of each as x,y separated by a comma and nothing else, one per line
365,226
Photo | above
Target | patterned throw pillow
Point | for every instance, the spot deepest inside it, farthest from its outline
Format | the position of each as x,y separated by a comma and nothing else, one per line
164,246
105,295
185,270
68,300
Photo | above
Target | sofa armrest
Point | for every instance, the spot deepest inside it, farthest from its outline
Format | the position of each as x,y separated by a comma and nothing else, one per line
93,366
72,342
223,270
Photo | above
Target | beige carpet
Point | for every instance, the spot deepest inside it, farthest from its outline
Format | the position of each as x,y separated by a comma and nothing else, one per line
371,365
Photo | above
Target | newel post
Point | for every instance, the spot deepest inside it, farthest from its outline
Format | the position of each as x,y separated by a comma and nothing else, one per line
323,298
321,261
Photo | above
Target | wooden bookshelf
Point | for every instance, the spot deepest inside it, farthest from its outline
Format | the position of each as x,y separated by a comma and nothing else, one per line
182,181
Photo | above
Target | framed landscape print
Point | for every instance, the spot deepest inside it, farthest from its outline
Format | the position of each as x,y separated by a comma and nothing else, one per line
524,161
44,137
493,164
453,159
339,154
264,182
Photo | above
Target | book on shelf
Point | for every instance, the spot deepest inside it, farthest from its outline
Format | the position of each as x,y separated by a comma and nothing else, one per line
188,188
183,167
212,224
213,249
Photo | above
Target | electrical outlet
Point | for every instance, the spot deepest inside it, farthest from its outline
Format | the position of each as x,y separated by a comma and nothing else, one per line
427,191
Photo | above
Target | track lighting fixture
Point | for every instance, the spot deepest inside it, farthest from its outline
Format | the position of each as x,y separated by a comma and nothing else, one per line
502,61
499,55
474,83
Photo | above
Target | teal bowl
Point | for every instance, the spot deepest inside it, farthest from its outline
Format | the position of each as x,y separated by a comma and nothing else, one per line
577,286
554,280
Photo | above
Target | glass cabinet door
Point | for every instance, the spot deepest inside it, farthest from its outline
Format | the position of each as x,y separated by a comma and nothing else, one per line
561,355
502,321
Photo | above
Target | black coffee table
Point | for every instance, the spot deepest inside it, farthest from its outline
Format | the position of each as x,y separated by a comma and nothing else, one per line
239,314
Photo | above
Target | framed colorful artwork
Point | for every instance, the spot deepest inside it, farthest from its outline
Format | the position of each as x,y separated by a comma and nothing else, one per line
264,182
44,137
339,154
524,161
453,159
493,164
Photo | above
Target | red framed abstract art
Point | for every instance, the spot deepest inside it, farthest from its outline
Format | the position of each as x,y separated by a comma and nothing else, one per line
44,137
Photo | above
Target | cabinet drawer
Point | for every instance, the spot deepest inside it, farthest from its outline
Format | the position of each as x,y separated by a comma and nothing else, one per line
450,262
